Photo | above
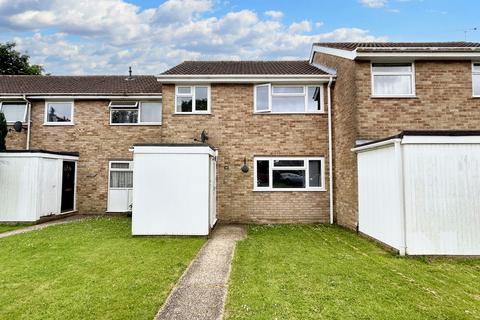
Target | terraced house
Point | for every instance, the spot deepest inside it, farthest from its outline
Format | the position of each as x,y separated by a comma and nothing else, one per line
290,141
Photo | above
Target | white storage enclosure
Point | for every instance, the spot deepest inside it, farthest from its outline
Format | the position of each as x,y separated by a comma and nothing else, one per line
173,189
35,184
419,192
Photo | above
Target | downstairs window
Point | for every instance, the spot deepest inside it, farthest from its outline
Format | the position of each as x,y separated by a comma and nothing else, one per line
289,174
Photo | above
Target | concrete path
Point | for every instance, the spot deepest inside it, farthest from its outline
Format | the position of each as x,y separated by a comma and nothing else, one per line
202,290
40,226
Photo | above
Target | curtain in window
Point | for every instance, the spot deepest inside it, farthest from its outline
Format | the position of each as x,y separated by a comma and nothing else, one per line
121,179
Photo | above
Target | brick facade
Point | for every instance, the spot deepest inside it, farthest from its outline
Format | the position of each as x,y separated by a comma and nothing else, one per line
233,128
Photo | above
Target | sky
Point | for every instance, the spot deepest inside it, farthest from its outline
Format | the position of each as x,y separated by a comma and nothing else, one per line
77,37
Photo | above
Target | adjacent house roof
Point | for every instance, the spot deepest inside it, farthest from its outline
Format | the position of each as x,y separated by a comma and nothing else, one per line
415,50
244,71
79,85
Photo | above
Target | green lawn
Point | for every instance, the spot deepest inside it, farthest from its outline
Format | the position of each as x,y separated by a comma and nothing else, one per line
9,227
91,269
325,272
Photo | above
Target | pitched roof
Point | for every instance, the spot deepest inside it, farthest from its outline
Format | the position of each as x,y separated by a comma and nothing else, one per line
298,67
79,85
351,46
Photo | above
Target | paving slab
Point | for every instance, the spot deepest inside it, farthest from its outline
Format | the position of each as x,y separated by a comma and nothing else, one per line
40,226
201,292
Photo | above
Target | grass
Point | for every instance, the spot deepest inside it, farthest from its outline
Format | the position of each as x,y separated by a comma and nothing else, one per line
91,269
9,227
325,272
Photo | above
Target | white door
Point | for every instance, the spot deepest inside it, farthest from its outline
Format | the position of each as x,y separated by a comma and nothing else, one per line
213,191
120,186
49,187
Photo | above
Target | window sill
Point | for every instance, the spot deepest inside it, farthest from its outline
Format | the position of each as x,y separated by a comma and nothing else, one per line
135,124
394,97
59,124
475,97
192,114
290,190
292,113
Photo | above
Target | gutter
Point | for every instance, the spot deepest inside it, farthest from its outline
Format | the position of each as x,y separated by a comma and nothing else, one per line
29,112
330,149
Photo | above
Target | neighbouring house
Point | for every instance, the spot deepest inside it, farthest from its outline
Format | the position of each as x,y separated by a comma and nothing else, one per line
283,137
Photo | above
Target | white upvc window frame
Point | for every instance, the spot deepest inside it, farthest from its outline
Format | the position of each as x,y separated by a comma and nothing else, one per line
19,102
110,169
271,94
72,108
305,167
192,95
475,73
396,95
136,105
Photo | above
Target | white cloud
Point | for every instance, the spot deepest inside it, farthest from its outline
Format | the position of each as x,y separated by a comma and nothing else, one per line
105,37
319,24
374,3
274,14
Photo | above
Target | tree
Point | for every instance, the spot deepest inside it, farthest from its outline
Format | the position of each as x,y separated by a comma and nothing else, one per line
13,62
3,132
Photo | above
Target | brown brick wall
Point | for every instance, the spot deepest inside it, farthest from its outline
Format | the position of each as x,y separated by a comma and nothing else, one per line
238,133
344,119
232,127
16,140
444,101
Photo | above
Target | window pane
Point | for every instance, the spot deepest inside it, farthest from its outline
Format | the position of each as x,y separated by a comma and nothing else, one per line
121,179
262,173
315,173
14,111
277,89
124,116
151,112
59,112
184,90
120,165
390,85
476,84
262,96
288,104
476,67
392,68
314,99
289,178
288,163
201,98
184,104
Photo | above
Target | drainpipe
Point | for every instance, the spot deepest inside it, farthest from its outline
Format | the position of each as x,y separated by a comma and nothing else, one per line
401,194
330,148
29,112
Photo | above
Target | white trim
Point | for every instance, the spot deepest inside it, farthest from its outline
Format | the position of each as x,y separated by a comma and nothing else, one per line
37,155
62,96
19,102
475,73
441,139
305,167
324,68
376,145
207,79
72,112
304,94
347,54
411,74
467,55
192,95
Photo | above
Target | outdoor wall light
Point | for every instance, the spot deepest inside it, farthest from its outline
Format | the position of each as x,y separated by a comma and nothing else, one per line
245,166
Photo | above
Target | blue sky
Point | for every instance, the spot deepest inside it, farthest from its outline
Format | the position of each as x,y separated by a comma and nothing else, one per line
106,36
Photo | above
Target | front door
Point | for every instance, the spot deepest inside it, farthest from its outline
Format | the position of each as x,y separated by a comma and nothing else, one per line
68,186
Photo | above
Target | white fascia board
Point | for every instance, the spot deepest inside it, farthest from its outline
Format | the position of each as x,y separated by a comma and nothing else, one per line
347,54
37,155
377,145
173,150
441,140
188,79
369,55
93,97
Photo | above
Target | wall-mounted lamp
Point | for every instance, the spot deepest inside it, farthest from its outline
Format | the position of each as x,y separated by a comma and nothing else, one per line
245,166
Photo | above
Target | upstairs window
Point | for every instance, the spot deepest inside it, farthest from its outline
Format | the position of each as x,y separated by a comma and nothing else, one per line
288,174
476,79
192,99
393,80
288,98
59,112
14,111
134,112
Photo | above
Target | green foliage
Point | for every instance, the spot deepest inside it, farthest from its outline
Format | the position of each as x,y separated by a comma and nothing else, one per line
13,62
3,132
90,269
325,272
